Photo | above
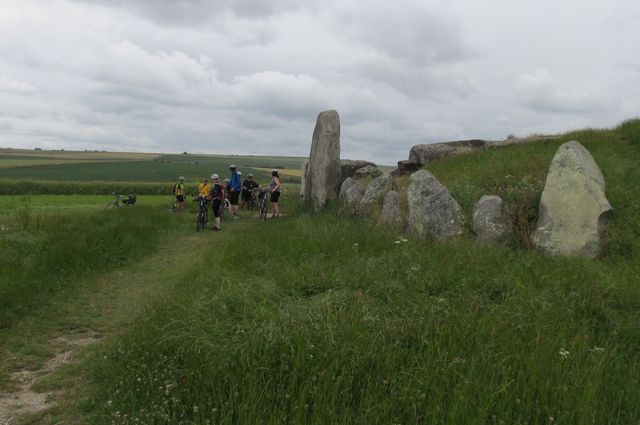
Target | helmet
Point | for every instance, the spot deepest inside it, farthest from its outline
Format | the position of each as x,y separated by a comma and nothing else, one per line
239,173
227,180
214,176
181,178
206,180
274,172
250,175
232,167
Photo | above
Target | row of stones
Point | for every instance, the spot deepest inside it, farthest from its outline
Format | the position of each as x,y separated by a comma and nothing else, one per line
573,211
432,211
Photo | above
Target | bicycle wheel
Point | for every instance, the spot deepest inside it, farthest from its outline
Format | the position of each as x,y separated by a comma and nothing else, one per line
263,208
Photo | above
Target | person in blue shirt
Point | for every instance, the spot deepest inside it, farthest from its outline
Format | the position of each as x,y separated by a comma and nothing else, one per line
235,188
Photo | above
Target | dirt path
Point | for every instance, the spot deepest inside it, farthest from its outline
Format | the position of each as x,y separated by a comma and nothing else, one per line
106,304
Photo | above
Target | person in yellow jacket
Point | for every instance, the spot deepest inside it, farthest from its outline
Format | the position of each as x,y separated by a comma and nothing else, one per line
179,192
204,188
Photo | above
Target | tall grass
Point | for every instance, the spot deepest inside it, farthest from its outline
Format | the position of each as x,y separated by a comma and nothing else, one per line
46,255
334,322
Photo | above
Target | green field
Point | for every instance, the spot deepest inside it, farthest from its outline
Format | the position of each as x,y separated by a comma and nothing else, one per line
316,318
160,168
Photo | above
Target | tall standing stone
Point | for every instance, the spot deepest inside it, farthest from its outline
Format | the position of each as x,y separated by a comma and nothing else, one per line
574,210
322,177
432,210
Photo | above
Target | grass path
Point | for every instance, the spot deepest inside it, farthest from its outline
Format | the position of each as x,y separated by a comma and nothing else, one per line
41,356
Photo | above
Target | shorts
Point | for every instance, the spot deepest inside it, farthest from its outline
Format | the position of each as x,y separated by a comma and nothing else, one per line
246,195
274,197
233,197
180,198
216,205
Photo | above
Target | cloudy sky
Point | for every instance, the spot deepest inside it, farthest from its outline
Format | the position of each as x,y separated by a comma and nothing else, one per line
250,76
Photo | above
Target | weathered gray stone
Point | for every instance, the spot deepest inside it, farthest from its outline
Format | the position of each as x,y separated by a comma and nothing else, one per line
489,223
391,214
424,154
374,193
406,167
432,210
322,179
574,210
349,167
367,171
351,191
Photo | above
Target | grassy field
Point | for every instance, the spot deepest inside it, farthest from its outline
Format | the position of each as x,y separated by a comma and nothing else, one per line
125,167
315,319
11,205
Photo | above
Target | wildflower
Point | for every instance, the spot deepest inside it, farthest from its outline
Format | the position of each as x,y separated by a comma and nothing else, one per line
563,353
398,242
404,240
597,350
415,268
195,409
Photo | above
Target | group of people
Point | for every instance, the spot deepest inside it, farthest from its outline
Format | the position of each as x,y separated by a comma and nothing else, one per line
232,189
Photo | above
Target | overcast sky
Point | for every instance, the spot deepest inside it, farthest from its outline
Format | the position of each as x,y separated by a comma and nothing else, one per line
250,76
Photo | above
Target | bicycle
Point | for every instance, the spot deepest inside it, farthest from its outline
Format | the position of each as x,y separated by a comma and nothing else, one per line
262,202
202,217
118,202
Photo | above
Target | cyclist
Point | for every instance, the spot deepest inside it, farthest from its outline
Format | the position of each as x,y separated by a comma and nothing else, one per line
247,191
235,186
274,188
179,192
204,188
217,194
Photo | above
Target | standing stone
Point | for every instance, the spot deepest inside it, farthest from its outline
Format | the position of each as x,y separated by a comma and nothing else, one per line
390,214
322,179
374,193
489,224
574,210
351,191
432,210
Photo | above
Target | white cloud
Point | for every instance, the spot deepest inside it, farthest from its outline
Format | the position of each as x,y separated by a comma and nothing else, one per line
540,91
250,76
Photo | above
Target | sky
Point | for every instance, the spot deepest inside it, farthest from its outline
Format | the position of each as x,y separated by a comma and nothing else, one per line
251,76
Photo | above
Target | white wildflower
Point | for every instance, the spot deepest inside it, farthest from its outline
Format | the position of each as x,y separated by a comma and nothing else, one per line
563,353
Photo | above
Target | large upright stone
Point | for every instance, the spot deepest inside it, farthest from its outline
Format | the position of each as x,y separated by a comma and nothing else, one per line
489,223
432,210
322,179
391,214
374,193
574,210
351,191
